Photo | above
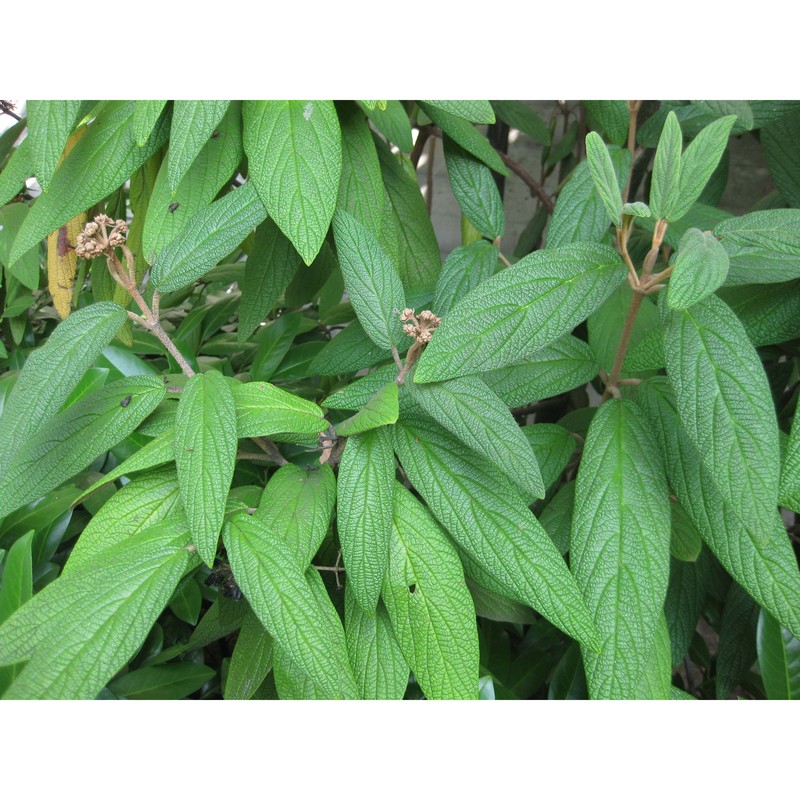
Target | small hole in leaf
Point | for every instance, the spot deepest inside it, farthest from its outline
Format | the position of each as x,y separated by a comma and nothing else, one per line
412,589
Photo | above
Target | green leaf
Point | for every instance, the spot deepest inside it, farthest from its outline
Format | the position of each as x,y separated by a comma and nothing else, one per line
143,502
778,140
193,122
556,517
568,681
265,410
251,660
684,604
392,122
382,409
700,268
16,590
465,135
378,664
50,123
698,163
209,236
429,605
521,310
737,639
604,177
52,372
477,111
83,628
553,446
475,190
287,606
297,504
768,572
778,659
371,280
26,270
16,171
686,541
656,682
269,270
187,602
666,185
464,269
162,682
73,438
777,231
487,518
729,418
102,160
612,116
294,149
517,115
145,116
349,351
205,455
171,208
770,314
561,366
636,209
364,512
419,258
619,546
470,410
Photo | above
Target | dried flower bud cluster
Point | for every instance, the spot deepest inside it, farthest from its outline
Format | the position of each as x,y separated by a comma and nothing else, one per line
95,239
421,326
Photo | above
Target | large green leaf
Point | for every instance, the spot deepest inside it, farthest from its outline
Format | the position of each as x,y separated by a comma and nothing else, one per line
730,418
73,438
381,409
666,184
102,160
294,150
205,455
487,518
269,269
517,115
265,410
16,590
768,571
82,628
477,111
209,236
371,280
145,116
193,122
475,190
777,231
282,598
619,546
16,171
50,123
297,504
700,268
392,122
521,310
364,512
162,681
604,177
53,371
553,446
778,659
170,208
612,116
779,142
656,681
429,605
737,639
251,660
468,408
380,669
464,269
684,603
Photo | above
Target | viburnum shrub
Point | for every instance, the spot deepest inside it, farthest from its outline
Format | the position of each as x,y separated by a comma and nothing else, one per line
258,440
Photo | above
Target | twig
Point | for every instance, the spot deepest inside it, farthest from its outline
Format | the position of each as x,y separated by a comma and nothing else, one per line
531,182
422,136
633,110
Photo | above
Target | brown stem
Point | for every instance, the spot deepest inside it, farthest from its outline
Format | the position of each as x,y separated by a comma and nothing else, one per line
413,354
633,110
419,145
531,182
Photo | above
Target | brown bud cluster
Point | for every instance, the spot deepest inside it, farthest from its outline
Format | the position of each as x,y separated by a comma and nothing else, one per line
95,239
419,327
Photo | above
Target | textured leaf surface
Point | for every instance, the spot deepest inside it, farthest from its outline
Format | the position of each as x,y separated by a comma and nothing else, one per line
665,188
612,116
205,455
486,517
162,682
364,512
779,141
684,603
73,438
209,236
145,116
392,122
656,682
470,410
49,125
268,271
726,407
475,190
371,280
16,171
52,371
429,605
768,571
553,446
251,660
477,111
193,123
701,266
521,310
381,409
349,351
604,177
381,671
294,149
81,629
517,115
282,598
297,504
619,546
778,659
464,269
737,639
265,410
777,231
104,158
